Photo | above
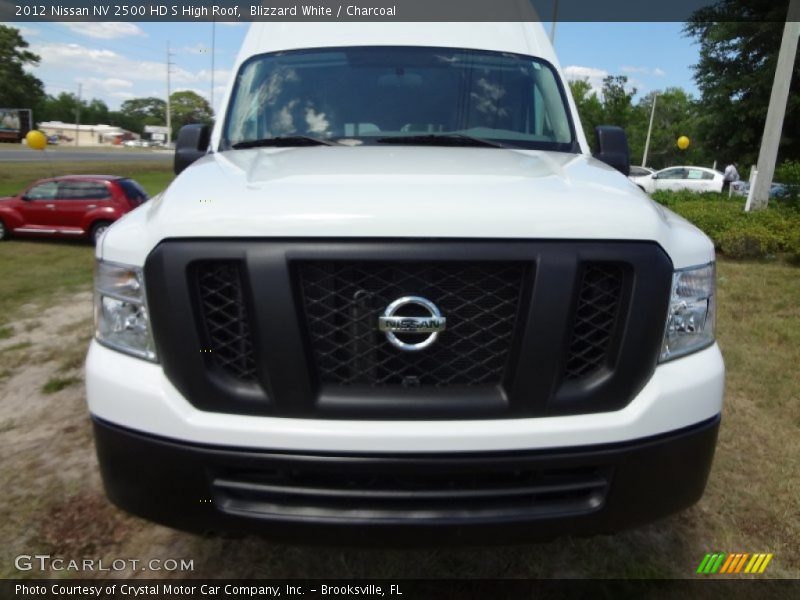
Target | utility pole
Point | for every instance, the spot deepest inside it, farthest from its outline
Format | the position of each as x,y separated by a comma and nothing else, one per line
555,20
169,112
768,154
213,35
78,114
649,130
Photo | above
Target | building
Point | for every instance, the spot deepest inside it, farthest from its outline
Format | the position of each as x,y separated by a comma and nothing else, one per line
87,135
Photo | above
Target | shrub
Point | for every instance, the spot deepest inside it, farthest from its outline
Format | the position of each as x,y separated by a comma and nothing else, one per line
737,234
788,172
750,241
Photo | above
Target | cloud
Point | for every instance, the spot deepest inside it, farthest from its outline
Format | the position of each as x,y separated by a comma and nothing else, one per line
231,23
105,31
109,84
109,64
592,75
197,49
27,32
643,71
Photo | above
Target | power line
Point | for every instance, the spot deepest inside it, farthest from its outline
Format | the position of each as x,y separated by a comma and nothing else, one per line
213,35
78,115
169,111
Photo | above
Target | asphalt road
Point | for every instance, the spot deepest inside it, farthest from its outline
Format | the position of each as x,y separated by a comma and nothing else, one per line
17,154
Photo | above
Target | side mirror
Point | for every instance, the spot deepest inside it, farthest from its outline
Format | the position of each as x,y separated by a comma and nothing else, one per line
612,148
192,144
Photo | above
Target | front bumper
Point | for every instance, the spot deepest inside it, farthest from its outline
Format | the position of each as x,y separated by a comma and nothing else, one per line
136,394
425,498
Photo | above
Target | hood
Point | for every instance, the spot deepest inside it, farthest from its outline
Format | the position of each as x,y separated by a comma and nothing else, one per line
401,192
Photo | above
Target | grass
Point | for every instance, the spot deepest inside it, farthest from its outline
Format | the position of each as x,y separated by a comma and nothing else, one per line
38,270
14,176
56,384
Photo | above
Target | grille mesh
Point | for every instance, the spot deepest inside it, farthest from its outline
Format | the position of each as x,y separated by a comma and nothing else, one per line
343,300
596,313
224,313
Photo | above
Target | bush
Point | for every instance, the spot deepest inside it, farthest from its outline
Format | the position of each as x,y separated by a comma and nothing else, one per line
788,172
737,234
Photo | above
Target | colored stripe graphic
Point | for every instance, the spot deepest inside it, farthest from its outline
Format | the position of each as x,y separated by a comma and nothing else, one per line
754,562
703,563
730,564
722,563
741,562
727,564
718,563
765,563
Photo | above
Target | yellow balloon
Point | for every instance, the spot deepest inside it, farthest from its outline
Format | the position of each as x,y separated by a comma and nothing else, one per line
683,142
36,140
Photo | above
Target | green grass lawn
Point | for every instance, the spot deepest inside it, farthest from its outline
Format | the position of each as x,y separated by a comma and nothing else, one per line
37,271
14,176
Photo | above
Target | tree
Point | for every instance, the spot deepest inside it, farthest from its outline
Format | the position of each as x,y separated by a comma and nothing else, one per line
19,89
189,107
589,107
60,108
734,74
149,111
676,114
618,101
95,112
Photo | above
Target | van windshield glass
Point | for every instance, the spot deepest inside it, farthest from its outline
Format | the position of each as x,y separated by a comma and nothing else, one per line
378,94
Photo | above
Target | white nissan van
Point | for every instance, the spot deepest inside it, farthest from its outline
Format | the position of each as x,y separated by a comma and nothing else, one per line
392,296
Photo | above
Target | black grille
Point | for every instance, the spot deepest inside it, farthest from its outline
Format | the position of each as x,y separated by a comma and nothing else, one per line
377,491
228,340
596,313
343,300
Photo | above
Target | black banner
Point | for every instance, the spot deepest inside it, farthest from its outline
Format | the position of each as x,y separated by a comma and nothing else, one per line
376,10
508,589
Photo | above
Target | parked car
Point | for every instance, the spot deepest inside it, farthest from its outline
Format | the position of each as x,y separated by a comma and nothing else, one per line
695,179
52,140
133,143
638,174
776,190
69,206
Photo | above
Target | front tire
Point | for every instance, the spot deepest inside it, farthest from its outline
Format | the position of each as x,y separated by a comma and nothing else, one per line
4,234
97,231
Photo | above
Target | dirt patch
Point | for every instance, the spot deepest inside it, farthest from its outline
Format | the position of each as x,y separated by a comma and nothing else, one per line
82,525
46,439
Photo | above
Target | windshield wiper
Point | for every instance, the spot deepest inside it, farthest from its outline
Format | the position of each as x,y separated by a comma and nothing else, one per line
440,139
285,140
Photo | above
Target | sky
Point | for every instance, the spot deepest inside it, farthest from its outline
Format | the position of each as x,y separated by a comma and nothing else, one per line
118,61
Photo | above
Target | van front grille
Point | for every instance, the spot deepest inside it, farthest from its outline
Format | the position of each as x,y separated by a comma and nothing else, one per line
343,300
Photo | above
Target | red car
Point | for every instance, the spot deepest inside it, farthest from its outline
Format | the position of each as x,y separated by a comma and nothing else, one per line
69,206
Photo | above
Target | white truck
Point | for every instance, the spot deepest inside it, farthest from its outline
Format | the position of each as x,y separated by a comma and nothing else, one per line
392,294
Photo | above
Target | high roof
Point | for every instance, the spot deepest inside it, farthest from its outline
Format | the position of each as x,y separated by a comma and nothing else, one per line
521,38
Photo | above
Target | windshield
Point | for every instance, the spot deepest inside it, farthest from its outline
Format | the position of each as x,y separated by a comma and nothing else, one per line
373,94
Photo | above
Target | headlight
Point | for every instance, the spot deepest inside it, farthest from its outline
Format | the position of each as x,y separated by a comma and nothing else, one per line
692,312
120,310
